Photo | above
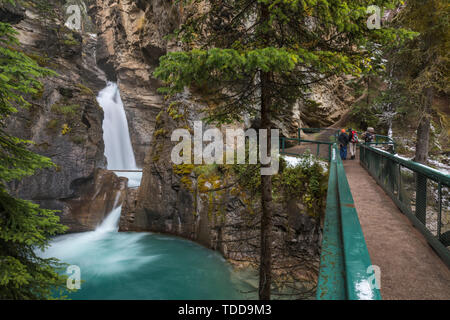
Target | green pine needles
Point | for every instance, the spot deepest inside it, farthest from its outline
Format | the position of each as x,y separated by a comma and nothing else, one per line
24,226
296,43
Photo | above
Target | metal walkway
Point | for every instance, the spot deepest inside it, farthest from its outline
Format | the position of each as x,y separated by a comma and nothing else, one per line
386,231
410,269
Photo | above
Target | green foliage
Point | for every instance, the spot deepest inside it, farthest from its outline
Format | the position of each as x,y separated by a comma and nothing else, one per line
67,37
24,226
78,139
46,9
307,181
68,111
364,115
40,60
85,90
52,124
159,132
289,43
70,42
424,61
248,176
417,70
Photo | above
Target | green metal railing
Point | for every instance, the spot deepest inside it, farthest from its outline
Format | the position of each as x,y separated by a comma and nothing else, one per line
317,149
344,272
344,264
334,133
382,140
421,193
320,141
319,146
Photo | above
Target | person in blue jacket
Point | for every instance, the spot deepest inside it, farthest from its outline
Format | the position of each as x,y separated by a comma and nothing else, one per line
343,142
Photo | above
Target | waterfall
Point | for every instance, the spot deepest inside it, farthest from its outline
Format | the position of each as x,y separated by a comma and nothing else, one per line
111,222
129,265
118,148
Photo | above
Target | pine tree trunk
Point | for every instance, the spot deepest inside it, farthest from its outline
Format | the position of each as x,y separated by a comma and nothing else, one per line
265,266
423,131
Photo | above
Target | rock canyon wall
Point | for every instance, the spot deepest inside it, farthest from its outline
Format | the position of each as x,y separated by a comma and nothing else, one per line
121,41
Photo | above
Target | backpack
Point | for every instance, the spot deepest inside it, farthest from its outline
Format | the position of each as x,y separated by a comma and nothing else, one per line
354,138
368,137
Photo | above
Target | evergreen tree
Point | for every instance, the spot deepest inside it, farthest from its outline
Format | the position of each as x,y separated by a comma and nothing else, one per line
24,226
422,64
258,57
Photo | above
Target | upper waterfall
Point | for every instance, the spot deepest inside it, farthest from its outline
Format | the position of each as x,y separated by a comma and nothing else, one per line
118,148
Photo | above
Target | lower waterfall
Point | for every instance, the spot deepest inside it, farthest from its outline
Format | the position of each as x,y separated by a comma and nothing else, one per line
128,265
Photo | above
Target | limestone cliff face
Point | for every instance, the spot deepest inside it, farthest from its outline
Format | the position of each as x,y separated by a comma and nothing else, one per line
163,202
130,43
64,120
123,43
174,200
131,39
333,98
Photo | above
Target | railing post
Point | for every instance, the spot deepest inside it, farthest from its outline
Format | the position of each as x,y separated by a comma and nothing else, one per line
329,153
439,219
421,197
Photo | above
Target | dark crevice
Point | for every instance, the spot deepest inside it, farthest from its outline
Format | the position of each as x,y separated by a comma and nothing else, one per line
108,68
85,120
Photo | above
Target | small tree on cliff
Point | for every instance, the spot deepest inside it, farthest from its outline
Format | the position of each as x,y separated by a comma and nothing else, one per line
258,57
24,226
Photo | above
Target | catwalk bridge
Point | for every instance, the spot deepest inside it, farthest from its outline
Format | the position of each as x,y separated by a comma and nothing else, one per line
386,231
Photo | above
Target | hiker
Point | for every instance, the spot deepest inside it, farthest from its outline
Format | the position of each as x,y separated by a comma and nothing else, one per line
369,135
343,142
353,140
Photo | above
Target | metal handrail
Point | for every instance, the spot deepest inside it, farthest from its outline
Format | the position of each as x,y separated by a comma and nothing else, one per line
413,198
344,272
283,146
377,141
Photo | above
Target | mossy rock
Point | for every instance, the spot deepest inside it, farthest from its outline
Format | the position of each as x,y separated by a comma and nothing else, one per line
85,90
66,92
52,125
78,139
69,40
65,110
41,60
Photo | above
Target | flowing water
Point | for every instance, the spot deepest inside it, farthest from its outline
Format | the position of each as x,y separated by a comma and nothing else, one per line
123,265
118,148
